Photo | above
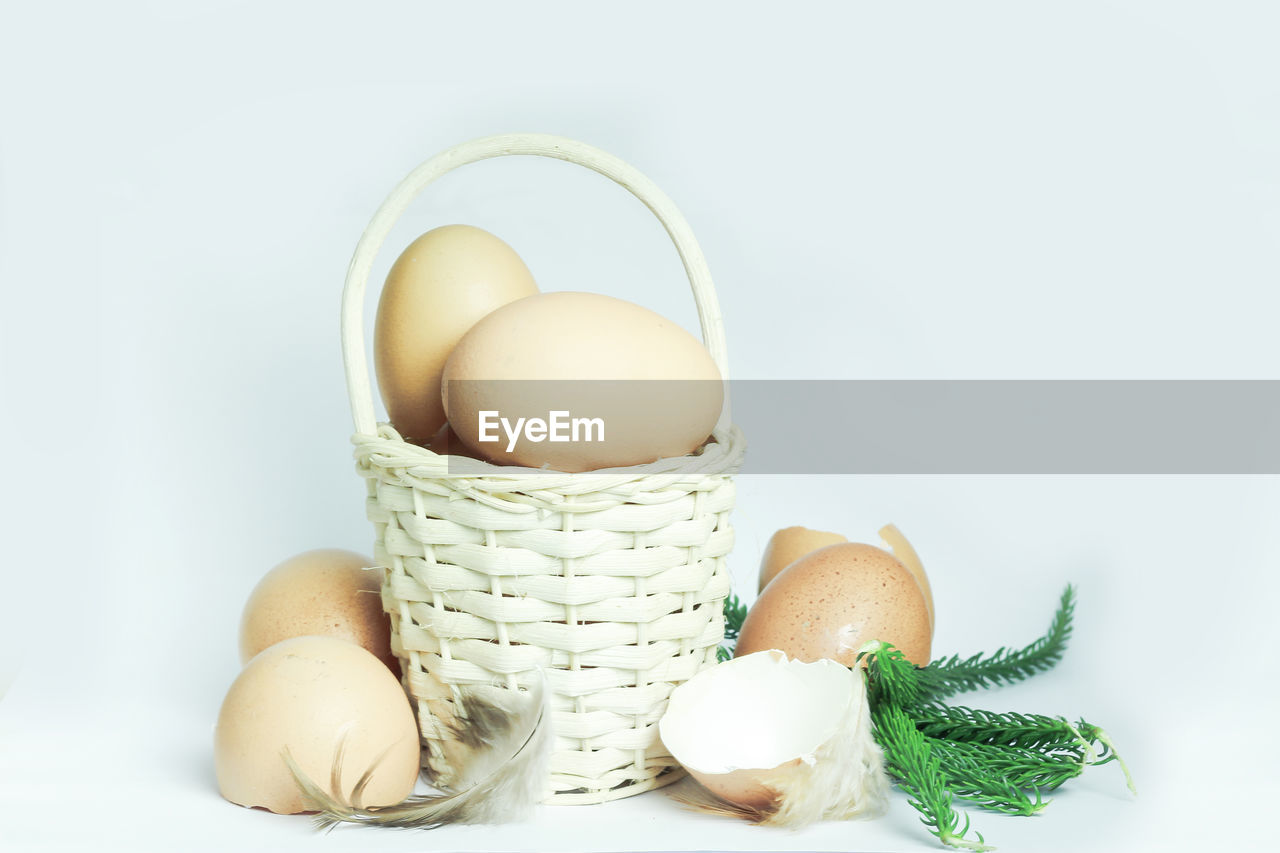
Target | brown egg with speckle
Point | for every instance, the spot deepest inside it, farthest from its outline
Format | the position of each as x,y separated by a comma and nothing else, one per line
833,601
327,592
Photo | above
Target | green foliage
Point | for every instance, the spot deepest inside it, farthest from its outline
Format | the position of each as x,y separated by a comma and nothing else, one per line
735,612
1000,761
1023,769
971,777
948,676
937,753
974,725
891,677
911,761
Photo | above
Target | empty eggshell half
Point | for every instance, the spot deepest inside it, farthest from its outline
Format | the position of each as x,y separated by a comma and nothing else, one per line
789,742
311,696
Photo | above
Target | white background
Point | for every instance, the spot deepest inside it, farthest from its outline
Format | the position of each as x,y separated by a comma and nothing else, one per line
979,190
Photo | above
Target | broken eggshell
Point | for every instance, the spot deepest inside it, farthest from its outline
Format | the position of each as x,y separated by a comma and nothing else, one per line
783,741
790,544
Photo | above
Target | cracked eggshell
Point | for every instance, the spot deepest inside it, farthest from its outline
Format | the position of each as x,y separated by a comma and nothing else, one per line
787,740
742,726
790,544
307,695
833,601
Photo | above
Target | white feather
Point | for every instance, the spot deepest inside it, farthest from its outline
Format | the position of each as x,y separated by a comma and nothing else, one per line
501,746
847,779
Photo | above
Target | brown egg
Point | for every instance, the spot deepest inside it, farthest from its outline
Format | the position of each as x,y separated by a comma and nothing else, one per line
437,289
627,385
326,592
311,695
830,603
790,544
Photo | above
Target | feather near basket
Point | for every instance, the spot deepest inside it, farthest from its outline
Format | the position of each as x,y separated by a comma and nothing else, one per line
611,582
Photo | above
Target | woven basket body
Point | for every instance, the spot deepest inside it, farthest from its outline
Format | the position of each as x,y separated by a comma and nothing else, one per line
609,584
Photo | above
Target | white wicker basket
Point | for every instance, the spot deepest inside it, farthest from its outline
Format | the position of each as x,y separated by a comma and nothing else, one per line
610,582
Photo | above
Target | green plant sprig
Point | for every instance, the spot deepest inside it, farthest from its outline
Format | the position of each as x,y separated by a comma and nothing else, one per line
910,684
1002,762
1096,735
948,676
911,761
1022,768
735,613
1035,732
891,678
938,753
971,776
974,725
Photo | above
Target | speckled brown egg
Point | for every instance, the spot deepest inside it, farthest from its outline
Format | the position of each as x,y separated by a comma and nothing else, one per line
832,602
329,592
790,544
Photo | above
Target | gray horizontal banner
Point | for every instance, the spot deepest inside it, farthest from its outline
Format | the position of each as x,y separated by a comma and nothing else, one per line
931,427
1009,427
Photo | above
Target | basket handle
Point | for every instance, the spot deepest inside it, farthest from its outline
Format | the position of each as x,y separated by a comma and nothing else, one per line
359,385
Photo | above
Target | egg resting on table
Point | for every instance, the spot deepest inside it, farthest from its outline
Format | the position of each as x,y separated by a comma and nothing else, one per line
309,696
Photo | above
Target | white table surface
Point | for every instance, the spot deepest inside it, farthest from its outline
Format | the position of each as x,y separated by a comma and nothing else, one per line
111,746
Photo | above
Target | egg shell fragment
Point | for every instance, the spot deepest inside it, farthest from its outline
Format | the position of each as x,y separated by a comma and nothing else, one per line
906,554
790,544
787,741
833,601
